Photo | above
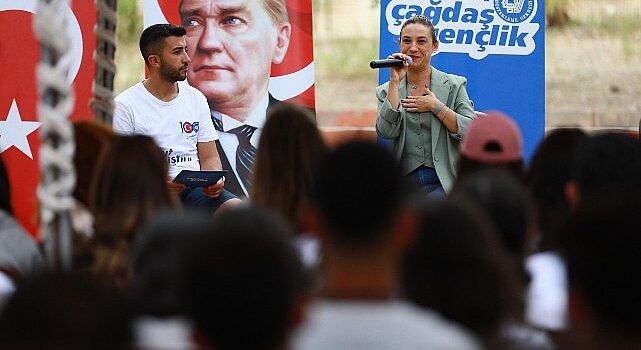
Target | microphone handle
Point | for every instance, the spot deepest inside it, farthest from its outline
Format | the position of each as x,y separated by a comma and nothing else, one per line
388,62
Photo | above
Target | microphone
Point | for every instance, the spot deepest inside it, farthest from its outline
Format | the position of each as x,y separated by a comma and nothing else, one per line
389,62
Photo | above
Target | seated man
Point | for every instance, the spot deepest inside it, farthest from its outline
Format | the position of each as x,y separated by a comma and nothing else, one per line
176,116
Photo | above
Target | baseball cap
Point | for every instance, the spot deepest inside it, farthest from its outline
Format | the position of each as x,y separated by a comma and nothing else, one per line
492,138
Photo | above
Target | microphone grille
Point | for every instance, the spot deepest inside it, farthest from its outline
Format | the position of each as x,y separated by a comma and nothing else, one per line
409,60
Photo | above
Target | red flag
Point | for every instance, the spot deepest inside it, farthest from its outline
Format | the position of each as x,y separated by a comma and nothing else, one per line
19,55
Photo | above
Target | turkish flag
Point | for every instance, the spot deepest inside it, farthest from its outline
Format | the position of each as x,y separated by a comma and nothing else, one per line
19,56
297,65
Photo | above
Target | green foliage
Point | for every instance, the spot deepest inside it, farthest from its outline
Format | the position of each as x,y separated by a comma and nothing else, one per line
556,12
129,21
128,60
347,57
625,27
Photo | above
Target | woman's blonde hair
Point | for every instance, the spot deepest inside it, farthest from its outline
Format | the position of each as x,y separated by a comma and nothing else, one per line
129,187
289,154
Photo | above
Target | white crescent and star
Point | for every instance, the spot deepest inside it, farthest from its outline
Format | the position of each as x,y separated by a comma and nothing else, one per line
13,130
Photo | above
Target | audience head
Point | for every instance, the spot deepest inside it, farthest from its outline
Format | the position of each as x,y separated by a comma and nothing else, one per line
456,267
59,311
358,194
492,141
289,155
241,281
90,138
547,176
129,188
156,258
506,203
602,162
603,253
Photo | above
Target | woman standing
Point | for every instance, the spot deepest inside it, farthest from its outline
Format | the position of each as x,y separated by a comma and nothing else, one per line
423,111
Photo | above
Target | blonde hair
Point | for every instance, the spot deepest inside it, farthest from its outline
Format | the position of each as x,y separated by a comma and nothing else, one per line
289,154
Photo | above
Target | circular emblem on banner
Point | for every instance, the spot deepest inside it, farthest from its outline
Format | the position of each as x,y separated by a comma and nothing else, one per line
73,30
514,11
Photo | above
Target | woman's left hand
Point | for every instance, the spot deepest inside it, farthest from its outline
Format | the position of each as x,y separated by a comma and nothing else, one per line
420,104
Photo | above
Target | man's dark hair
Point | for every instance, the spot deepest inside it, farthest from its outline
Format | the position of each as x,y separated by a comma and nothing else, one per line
607,161
65,311
506,203
456,267
240,281
468,167
156,258
358,192
152,39
603,252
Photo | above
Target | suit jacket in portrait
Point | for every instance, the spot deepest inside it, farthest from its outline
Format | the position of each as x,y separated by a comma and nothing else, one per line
232,183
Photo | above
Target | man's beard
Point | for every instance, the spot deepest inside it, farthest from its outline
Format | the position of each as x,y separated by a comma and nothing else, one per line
171,74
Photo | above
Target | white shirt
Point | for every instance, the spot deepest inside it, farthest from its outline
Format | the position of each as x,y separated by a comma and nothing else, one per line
547,295
229,141
369,325
172,333
176,126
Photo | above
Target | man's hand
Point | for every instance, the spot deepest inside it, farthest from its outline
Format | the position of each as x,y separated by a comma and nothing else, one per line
174,187
213,191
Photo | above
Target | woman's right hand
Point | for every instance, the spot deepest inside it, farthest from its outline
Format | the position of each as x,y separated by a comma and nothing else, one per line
397,73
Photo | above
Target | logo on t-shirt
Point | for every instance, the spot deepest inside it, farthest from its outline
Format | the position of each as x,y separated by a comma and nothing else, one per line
188,128
175,159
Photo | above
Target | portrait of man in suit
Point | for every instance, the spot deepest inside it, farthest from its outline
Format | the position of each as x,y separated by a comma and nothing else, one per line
232,45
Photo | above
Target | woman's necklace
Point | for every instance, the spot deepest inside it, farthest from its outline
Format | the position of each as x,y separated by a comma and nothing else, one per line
414,87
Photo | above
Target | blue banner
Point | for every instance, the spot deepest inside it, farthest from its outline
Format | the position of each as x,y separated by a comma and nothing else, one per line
498,45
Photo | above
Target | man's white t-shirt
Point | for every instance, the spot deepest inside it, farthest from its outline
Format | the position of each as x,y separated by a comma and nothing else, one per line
371,325
176,126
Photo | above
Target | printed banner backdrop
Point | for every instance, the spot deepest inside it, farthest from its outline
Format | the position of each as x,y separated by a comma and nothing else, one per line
19,55
233,51
498,45
293,79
